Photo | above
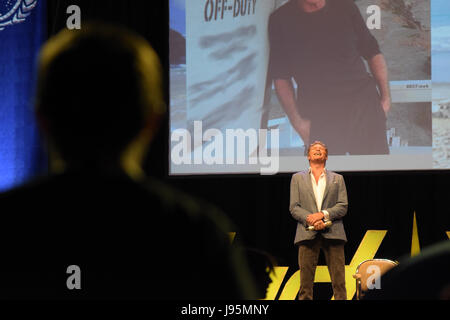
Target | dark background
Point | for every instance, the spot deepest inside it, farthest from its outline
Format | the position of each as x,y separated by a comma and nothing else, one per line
259,205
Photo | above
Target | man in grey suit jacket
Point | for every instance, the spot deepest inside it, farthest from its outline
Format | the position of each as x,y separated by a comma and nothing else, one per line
318,197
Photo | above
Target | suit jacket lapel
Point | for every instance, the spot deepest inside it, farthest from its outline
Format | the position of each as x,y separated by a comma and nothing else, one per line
329,178
310,189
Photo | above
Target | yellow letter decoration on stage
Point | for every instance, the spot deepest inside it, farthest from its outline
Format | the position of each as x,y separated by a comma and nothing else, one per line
415,244
366,250
277,278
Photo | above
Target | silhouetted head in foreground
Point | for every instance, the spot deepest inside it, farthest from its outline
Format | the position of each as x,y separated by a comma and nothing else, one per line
99,89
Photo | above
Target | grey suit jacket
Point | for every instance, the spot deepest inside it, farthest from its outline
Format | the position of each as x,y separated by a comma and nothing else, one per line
303,203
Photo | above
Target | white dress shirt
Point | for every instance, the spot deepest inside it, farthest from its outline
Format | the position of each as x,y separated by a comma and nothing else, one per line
319,189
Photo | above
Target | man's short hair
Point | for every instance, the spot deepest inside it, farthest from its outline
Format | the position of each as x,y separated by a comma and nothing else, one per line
97,89
317,142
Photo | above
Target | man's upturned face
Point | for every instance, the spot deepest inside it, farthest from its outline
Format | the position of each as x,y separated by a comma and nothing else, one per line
317,153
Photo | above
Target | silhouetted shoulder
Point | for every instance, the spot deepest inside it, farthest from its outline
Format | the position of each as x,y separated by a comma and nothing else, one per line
196,209
131,239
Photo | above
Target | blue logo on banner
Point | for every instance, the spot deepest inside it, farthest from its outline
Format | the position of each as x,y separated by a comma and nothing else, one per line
15,11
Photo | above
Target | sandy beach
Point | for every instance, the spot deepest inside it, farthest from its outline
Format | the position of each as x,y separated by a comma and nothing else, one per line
441,127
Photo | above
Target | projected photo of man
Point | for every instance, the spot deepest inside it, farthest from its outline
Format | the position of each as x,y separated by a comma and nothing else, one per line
322,45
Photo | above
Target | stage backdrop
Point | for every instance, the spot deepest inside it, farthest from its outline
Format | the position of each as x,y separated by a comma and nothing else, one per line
22,31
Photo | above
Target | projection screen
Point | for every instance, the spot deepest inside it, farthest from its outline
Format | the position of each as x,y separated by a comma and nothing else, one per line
227,58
